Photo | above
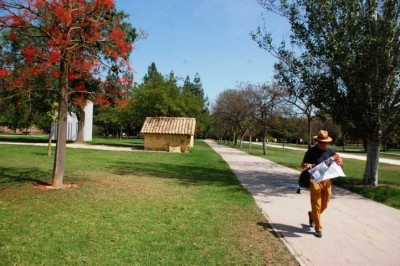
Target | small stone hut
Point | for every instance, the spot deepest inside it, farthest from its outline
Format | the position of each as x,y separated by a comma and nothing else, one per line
173,134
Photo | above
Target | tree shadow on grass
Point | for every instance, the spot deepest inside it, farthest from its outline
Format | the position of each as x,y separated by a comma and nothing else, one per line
10,176
123,145
25,139
187,175
256,182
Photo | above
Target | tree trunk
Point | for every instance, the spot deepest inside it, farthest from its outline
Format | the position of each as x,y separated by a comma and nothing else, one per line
81,125
59,159
372,164
49,145
250,142
344,141
241,141
264,142
309,131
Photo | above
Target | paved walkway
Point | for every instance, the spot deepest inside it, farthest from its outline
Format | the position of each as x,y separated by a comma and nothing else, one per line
357,231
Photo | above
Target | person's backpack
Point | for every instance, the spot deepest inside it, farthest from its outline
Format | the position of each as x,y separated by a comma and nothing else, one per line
304,179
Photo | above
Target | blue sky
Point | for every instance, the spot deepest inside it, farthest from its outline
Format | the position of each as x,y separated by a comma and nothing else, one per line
211,37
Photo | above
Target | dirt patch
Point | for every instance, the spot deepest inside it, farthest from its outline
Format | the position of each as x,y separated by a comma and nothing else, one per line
47,186
262,241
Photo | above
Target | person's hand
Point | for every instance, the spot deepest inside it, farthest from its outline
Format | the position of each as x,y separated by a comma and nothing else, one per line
339,161
309,166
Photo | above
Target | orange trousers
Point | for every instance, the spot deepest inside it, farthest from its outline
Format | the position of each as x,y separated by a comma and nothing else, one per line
320,194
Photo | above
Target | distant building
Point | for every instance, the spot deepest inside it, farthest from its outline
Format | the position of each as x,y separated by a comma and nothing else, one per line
72,128
88,127
72,125
173,134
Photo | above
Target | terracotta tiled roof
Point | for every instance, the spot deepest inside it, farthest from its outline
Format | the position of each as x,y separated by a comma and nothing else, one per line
169,125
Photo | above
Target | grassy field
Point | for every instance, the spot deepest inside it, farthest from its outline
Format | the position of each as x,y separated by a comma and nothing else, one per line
131,208
388,191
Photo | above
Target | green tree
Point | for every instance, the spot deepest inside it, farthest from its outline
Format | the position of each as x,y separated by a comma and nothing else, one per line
174,98
197,87
162,96
110,119
232,109
301,77
196,104
265,103
151,97
358,43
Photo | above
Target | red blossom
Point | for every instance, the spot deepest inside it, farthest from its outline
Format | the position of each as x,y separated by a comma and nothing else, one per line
38,4
121,103
117,34
36,71
125,47
107,3
29,54
80,101
73,76
54,57
55,74
12,35
4,73
101,99
80,87
17,21
63,14
29,15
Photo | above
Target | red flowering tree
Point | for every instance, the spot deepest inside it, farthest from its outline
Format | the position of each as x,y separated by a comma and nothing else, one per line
68,40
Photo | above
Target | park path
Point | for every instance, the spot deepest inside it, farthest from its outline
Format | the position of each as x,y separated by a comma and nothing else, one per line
357,231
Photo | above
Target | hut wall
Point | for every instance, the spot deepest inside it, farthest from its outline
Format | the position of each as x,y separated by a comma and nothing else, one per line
171,143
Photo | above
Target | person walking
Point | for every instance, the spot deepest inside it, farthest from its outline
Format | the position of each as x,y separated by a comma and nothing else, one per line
320,193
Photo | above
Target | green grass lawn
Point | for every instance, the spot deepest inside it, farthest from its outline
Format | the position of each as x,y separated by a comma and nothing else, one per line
388,191
132,208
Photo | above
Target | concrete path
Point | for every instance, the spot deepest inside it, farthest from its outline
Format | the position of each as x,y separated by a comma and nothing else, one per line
357,231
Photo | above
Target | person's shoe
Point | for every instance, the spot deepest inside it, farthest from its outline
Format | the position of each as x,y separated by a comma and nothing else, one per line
310,220
318,234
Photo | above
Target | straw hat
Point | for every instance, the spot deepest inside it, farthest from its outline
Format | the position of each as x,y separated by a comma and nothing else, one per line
323,136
